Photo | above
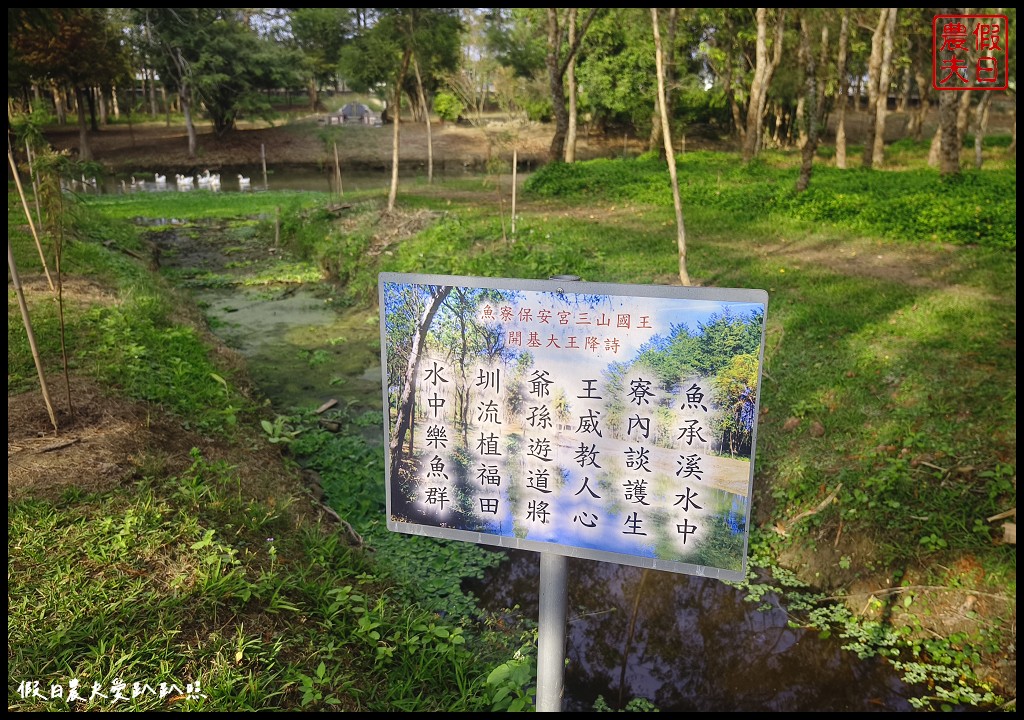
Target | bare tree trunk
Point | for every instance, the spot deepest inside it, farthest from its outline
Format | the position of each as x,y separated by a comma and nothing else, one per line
557,87
981,125
426,120
103,112
882,107
874,72
961,102
812,104
844,88
1012,150
557,66
734,107
801,130
949,146
190,126
963,114
905,84
764,68
684,278
312,93
570,81
84,149
757,86
915,127
393,191
153,107
656,143
58,104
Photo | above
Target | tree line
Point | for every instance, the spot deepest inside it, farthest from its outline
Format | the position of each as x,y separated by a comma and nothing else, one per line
763,76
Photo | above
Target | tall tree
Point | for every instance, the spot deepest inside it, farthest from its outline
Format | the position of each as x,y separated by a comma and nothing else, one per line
842,99
949,141
382,53
684,277
176,38
668,69
879,73
884,83
320,33
561,52
724,51
616,73
570,81
79,47
764,69
813,99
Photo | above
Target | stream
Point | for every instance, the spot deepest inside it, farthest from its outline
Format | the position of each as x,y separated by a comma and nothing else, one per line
682,642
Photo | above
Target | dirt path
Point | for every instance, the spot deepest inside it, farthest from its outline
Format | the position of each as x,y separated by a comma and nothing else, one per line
158,147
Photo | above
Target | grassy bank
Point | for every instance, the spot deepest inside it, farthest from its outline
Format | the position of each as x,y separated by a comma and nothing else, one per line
887,437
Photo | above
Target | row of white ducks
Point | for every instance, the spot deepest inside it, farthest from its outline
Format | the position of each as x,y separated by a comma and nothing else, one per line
209,181
206,179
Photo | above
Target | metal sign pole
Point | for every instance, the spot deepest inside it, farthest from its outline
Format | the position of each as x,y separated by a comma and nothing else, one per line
551,621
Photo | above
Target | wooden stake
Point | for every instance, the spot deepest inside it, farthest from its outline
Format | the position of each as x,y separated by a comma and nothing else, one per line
263,157
35,184
28,214
515,169
28,330
337,172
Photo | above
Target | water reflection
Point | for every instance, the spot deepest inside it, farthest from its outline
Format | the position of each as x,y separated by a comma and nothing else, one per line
694,644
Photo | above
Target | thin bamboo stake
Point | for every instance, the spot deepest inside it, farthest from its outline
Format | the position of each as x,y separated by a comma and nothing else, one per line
515,168
263,157
28,214
28,330
337,172
35,184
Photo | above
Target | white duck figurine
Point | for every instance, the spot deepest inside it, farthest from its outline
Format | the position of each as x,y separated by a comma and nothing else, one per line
214,182
243,182
160,179
185,181
138,184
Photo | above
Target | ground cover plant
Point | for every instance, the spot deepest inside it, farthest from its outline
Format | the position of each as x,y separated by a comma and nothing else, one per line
887,439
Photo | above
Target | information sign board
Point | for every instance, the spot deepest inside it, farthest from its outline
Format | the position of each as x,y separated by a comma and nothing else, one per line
595,420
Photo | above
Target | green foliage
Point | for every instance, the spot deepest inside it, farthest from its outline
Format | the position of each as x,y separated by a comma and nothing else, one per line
448,106
538,109
870,356
512,684
913,206
278,431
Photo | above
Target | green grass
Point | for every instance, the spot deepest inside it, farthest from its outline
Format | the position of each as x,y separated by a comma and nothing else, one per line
910,375
181,581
